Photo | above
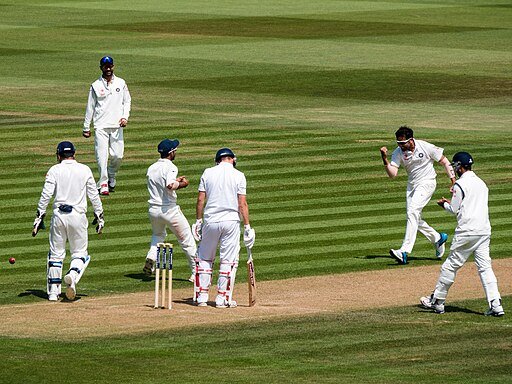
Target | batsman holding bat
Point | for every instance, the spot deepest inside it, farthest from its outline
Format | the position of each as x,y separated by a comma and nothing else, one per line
223,189
417,157
69,183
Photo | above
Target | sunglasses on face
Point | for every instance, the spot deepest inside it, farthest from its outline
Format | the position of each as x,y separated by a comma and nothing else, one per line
401,142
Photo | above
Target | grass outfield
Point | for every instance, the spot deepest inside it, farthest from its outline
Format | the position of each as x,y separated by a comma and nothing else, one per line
305,93
401,345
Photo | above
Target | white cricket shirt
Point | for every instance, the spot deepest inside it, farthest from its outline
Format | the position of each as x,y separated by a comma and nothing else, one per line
107,103
160,174
222,184
419,164
470,205
70,182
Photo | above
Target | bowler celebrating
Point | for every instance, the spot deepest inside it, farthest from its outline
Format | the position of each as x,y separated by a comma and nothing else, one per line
417,157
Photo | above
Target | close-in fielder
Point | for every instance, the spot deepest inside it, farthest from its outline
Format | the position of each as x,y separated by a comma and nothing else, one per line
417,157
108,107
164,212
69,183
472,237
223,189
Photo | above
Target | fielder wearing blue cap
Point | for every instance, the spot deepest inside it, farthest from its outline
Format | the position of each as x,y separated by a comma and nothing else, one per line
108,108
164,212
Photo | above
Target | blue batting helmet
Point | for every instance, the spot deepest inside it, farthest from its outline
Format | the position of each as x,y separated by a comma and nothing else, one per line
463,159
222,153
65,147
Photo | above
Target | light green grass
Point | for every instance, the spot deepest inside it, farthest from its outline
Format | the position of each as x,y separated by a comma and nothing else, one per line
305,93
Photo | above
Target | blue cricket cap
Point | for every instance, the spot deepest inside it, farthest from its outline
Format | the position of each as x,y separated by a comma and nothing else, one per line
166,146
106,60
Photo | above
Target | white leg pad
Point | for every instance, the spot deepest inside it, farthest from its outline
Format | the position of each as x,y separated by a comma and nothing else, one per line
54,275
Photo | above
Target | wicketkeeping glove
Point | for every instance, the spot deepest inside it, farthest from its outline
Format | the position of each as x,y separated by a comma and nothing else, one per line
196,229
38,222
249,236
99,221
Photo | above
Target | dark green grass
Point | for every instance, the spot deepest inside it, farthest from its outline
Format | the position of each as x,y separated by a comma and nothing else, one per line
401,345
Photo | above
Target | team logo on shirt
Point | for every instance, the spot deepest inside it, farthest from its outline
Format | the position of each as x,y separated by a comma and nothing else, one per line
420,155
118,90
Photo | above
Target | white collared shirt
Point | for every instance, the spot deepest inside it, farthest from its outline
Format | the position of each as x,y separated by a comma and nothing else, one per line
70,182
222,185
161,174
107,103
419,164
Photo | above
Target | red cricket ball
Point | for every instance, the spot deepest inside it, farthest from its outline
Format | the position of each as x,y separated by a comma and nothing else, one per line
12,260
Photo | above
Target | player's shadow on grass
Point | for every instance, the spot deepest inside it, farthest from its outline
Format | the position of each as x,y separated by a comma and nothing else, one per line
409,259
145,278
451,309
34,292
140,276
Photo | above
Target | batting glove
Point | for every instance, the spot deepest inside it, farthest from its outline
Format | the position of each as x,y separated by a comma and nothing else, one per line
249,236
99,221
196,229
38,222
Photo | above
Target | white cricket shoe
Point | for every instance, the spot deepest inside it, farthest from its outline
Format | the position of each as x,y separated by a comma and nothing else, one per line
192,278
223,303
398,255
71,287
495,310
202,304
434,304
53,297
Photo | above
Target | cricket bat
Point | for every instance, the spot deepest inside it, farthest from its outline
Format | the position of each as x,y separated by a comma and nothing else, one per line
251,278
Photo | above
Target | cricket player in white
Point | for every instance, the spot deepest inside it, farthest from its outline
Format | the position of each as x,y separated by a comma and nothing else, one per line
223,188
472,236
417,157
164,212
108,107
69,183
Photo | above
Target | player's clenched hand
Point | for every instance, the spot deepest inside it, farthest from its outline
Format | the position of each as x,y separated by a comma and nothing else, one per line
86,134
183,181
384,152
441,202
123,122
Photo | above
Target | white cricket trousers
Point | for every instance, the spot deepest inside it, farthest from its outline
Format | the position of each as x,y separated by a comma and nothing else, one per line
109,148
417,197
67,227
172,218
226,235
462,247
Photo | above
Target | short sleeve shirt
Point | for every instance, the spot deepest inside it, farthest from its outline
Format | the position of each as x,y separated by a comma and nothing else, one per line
418,164
222,185
160,174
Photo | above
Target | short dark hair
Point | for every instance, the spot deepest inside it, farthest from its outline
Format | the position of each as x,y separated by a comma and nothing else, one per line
404,131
